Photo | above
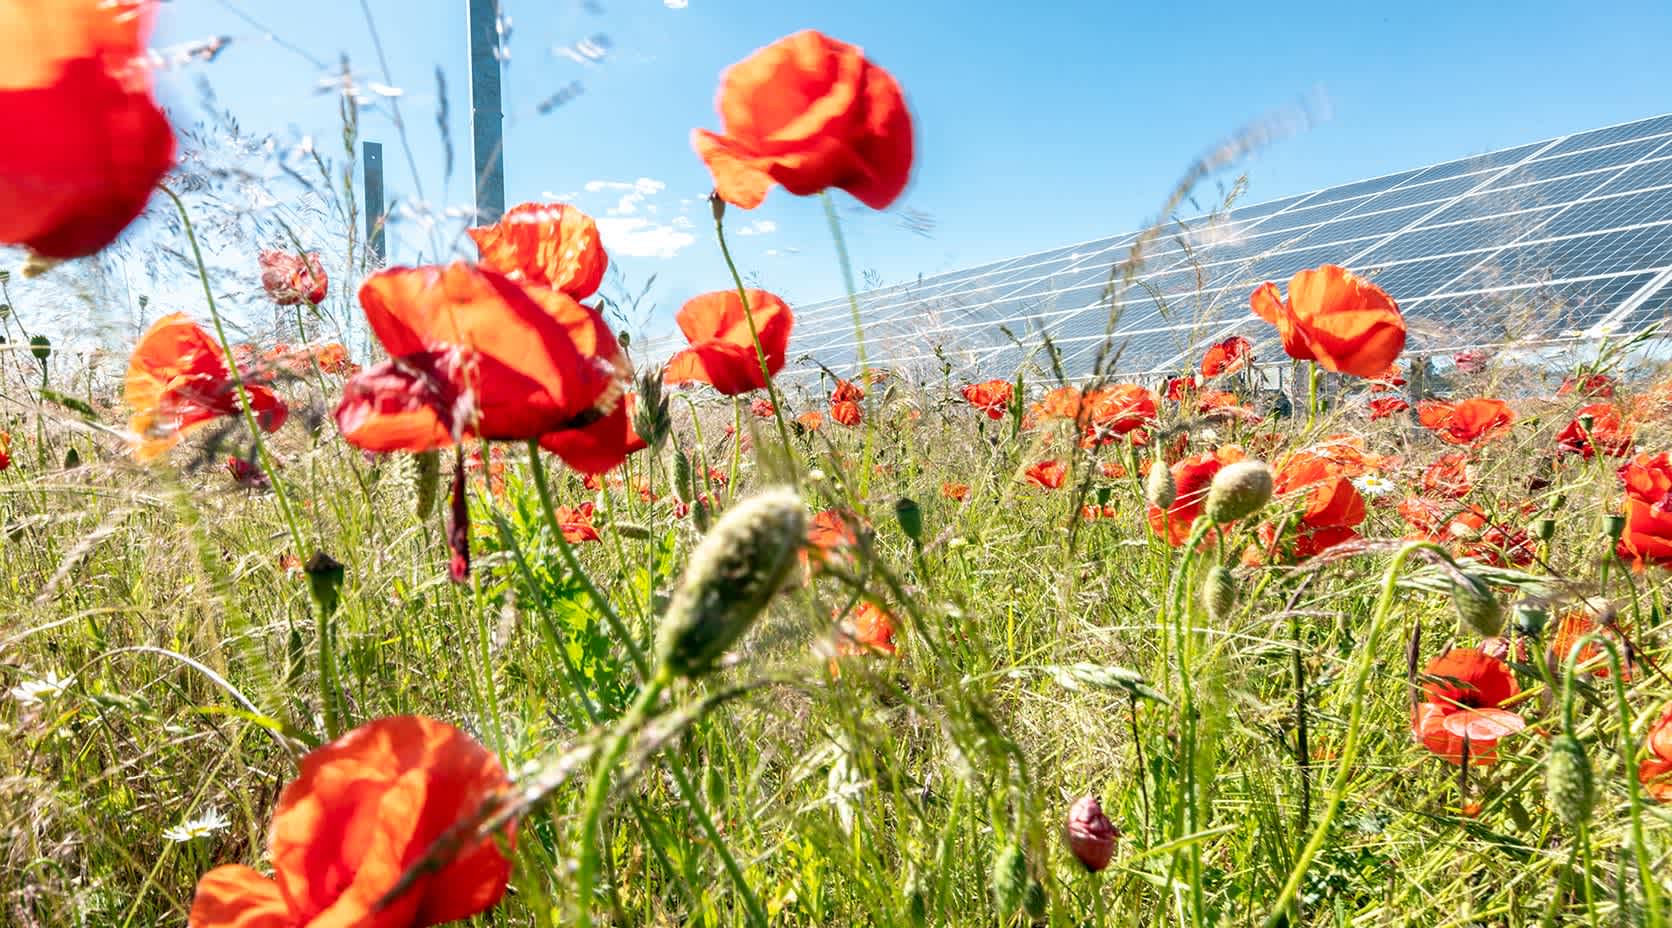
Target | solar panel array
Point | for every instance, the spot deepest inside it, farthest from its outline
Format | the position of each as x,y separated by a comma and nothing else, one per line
1559,240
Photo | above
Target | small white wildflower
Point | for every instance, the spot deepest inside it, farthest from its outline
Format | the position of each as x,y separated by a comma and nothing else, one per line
193,828
35,692
815,475
1374,485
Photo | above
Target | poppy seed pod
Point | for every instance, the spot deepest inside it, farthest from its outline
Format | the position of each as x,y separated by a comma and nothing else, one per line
1238,490
910,517
1569,787
736,570
1219,592
325,581
1159,489
41,347
1090,835
1009,879
1478,610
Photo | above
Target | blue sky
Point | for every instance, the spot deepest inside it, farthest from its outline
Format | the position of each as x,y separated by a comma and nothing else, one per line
1038,124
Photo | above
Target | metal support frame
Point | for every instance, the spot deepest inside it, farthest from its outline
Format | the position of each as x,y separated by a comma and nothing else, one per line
487,121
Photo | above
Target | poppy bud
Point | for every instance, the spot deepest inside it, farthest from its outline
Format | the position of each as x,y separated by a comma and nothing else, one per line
736,570
1569,788
1090,835
5,310
1009,880
1477,609
1237,491
72,459
41,347
325,581
1219,593
910,517
1159,489
424,469
716,205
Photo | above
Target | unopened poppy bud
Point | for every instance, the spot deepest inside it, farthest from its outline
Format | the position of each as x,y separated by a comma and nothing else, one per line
1238,491
716,205
41,347
1009,880
1477,609
1090,835
1569,787
733,574
1159,489
325,581
1219,593
910,517
424,470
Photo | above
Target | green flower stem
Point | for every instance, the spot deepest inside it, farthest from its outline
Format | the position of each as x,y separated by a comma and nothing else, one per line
599,789
772,393
858,336
1355,718
687,791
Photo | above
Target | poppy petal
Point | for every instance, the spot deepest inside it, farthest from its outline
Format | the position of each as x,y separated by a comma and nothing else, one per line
235,896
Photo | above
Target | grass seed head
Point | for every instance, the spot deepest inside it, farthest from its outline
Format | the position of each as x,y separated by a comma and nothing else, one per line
424,471
1238,491
1009,881
733,574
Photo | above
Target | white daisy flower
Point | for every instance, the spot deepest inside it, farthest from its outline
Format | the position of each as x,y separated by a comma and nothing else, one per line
1374,485
35,692
193,828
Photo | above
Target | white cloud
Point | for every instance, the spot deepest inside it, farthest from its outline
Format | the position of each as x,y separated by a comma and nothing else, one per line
633,193
759,227
676,4
559,197
641,238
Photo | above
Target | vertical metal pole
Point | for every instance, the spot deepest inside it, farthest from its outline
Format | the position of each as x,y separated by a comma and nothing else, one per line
486,119
371,164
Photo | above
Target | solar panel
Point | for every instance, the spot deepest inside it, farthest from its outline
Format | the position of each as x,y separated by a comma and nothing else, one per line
1564,239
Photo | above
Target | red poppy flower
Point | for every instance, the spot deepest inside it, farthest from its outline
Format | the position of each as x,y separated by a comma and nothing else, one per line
1382,407
1218,404
762,408
1177,388
1341,321
1330,508
1570,629
1648,509
1450,477
1387,380
1114,470
1047,474
955,491
722,352
1655,772
1226,357
1597,427
576,522
846,412
1470,422
1600,386
92,142
811,421
991,397
1463,699
1467,531
870,630
363,809
1110,412
846,392
178,380
546,245
1059,403
5,450
290,278
333,359
1472,361
808,112
1191,478
493,467
475,354
601,445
